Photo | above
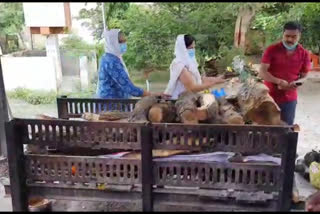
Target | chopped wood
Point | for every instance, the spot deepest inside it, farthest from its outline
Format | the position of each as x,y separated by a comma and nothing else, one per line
142,107
46,117
228,113
164,112
106,116
157,153
186,106
257,105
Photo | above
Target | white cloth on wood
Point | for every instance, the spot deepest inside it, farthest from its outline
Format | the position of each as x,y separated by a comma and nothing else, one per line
182,60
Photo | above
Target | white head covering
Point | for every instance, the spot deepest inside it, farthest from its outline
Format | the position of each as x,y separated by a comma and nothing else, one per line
112,44
182,60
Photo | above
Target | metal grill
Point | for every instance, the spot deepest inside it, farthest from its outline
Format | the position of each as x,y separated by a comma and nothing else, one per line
243,139
75,107
236,176
208,177
82,170
93,135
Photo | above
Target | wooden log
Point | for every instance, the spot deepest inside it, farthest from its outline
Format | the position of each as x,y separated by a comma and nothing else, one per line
142,107
257,105
45,117
193,108
228,113
209,109
157,153
164,112
106,116
186,106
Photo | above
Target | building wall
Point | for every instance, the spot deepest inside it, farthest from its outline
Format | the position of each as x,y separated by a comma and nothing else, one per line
29,72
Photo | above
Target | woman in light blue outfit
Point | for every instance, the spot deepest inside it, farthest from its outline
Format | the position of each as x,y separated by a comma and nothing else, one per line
114,81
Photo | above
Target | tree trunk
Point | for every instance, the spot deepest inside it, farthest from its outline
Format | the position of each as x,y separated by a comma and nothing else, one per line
162,113
3,44
243,22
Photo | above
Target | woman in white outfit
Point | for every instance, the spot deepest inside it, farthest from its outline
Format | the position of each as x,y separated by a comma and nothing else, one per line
184,73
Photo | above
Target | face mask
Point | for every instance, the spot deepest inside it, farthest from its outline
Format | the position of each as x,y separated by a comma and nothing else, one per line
289,47
123,48
191,52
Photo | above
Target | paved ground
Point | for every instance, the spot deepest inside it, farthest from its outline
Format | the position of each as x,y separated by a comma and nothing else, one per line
5,201
308,114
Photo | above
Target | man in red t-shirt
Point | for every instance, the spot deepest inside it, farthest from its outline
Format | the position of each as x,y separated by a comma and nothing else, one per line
282,64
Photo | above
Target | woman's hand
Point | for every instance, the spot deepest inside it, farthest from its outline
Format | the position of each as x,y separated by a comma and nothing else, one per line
158,94
213,80
162,95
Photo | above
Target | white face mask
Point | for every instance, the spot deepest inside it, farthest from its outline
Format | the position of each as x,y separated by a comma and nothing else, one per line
289,47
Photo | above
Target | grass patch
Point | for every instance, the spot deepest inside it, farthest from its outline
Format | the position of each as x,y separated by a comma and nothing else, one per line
35,97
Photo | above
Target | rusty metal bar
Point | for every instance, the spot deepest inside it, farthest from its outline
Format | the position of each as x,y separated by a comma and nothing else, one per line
73,111
4,114
147,164
16,169
287,171
275,181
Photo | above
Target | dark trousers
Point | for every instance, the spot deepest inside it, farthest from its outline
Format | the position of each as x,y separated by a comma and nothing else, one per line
288,111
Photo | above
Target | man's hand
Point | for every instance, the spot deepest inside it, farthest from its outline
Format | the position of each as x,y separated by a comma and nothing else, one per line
313,203
292,85
283,85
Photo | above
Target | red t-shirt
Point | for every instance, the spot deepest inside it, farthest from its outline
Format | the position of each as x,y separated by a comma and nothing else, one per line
285,67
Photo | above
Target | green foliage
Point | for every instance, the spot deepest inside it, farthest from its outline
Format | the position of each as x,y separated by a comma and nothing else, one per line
153,31
35,97
76,44
86,93
11,18
311,26
11,24
114,11
77,47
226,56
272,18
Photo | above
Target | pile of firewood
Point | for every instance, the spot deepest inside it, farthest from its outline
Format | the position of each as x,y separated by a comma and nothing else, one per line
245,103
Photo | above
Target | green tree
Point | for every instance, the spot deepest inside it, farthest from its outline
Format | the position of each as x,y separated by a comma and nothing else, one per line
310,21
153,31
11,23
114,12
274,15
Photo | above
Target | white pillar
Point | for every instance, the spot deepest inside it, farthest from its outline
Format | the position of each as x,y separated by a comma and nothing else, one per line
52,48
84,72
